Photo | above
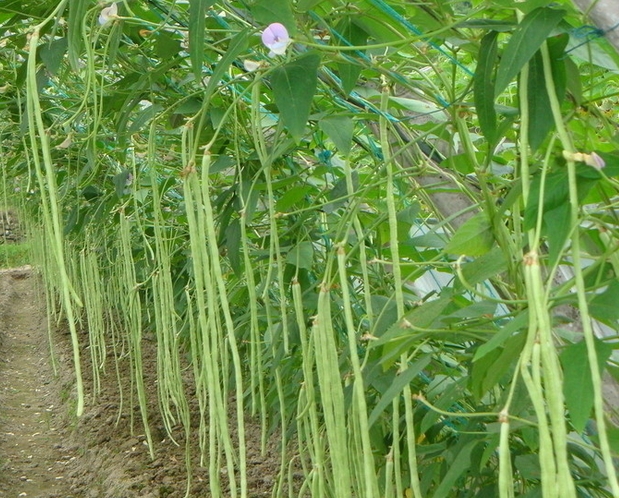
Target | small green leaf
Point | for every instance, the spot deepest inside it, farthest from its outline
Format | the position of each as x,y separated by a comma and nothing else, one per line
350,33
483,86
91,192
385,312
237,45
301,256
557,227
475,310
605,306
189,106
75,19
556,191
197,17
573,81
221,163
340,130
292,196
397,386
340,194
121,181
418,106
528,466
269,11
506,332
233,245
526,40
613,438
577,383
52,54
166,46
484,267
422,316
541,120
294,85
474,238
460,464
490,24
349,74
143,117
490,369
305,5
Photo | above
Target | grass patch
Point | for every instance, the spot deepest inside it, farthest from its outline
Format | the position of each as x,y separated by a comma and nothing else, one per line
13,255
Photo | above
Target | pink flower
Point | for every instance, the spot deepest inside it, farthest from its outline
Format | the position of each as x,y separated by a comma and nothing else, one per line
108,14
595,161
251,66
275,38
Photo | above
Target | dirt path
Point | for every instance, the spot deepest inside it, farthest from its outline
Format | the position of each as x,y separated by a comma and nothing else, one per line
33,455
46,452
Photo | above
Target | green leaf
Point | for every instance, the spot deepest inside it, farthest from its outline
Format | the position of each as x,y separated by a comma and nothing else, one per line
556,191
339,194
294,85
349,74
77,13
400,381
526,40
340,130
474,310
528,466
428,240
233,245
189,106
490,368
490,24
422,316
463,163
292,196
52,54
541,120
91,192
577,383
350,32
573,81
557,227
385,312
459,465
143,117
266,12
613,438
237,45
301,256
418,106
474,238
484,267
197,19
120,182
483,86
221,163
605,306
166,46
506,332
305,5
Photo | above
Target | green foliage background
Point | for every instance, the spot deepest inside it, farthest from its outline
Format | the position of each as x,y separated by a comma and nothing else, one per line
393,245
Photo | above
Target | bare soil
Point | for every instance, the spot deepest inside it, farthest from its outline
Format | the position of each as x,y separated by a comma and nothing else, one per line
33,458
47,452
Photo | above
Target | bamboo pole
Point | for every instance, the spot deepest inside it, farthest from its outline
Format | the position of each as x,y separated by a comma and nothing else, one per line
605,15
